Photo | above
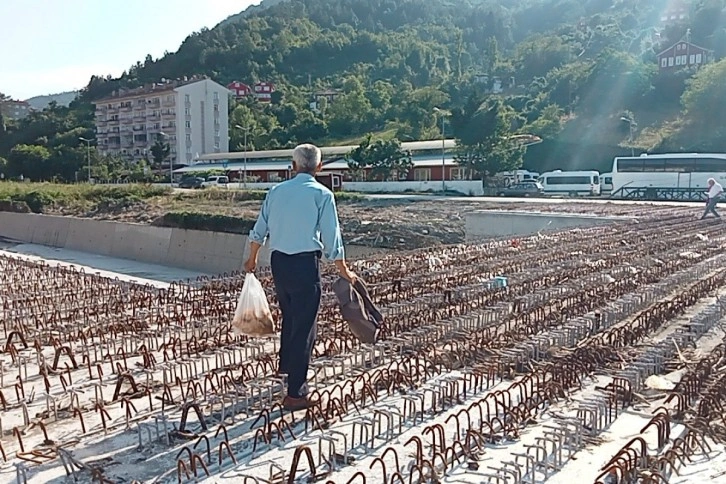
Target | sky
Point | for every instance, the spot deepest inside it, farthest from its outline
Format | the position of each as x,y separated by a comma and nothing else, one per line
51,46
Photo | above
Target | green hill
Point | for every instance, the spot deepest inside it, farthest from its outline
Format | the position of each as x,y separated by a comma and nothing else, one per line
569,70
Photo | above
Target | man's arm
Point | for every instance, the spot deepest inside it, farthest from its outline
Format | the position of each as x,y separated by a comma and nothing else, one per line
331,237
258,234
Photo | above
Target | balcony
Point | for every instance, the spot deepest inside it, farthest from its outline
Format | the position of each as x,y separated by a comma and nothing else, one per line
140,143
153,104
125,109
140,106
113,121
128,120
168,103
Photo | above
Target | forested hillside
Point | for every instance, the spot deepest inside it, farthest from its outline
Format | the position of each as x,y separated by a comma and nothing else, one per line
570,71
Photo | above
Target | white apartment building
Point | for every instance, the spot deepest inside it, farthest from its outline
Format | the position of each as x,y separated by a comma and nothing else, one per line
190,115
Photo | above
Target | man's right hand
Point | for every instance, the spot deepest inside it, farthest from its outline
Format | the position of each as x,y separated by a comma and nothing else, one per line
349,276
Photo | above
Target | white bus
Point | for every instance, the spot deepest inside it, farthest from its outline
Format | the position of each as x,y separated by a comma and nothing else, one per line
572,183
668,170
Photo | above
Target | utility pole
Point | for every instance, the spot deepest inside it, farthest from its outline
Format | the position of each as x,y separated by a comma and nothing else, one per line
443,113
88,155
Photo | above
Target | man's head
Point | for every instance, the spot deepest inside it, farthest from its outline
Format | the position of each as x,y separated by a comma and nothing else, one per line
711,181
307,158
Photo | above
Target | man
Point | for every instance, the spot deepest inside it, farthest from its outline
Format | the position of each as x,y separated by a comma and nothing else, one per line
300,219
714,192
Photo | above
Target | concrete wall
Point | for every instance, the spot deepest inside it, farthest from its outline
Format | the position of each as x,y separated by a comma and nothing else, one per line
466,187
484,224
211,252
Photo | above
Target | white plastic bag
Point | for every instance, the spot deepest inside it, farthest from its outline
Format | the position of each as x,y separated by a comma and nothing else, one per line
253,316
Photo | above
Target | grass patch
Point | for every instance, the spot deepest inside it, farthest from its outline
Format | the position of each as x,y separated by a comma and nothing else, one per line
233,195
39,196
205,221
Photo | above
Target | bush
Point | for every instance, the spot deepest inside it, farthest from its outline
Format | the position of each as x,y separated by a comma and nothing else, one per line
39,196
205,221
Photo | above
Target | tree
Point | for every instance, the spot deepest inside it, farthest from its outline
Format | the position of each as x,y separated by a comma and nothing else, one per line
29,161
385,158
483,132
160,151
704,100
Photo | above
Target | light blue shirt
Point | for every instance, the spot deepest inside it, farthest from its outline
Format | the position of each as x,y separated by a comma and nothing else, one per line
299,215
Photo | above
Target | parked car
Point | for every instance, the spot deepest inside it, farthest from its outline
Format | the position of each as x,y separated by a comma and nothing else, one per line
191,182
527,189
216,181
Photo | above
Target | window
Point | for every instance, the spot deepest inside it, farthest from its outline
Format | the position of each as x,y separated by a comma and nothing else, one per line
189,138
188,112
670,62
608,180
568,180
678,60
710,165
188,124
654,164
422,174
187,99
684,60
698,58
664,62
459,174
678,165
216,96
692,59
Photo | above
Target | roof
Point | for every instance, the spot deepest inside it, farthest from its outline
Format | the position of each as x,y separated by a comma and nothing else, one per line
284,165
327,151
683,42
155,88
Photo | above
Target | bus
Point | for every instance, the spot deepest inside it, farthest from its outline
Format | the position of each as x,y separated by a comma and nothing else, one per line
572,183
668,170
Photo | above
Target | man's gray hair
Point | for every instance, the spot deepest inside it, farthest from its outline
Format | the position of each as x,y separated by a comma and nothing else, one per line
307,157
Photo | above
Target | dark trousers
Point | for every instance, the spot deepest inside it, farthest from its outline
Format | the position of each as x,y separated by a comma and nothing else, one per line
297,283
711,207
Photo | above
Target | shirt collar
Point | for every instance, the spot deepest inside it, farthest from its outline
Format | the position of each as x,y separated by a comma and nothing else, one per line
304,176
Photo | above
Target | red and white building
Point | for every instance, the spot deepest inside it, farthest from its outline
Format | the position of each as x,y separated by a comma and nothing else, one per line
263,91
239,89
683,54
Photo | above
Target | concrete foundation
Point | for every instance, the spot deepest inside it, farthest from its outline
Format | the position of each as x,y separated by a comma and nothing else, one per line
484,224
195,250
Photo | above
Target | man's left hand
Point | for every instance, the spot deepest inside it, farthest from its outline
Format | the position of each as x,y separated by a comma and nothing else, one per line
251,265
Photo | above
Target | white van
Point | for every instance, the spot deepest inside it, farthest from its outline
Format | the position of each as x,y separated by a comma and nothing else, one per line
572,183
606,183
216,181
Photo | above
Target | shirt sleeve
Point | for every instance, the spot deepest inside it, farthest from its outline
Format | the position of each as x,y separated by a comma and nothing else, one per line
330,229
261,229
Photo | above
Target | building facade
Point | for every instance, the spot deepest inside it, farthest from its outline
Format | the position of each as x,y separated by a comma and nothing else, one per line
14,110
262,91
191,115
683,54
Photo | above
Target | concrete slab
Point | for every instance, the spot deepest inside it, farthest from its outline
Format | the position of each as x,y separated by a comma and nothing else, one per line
18,226
483,224
51,231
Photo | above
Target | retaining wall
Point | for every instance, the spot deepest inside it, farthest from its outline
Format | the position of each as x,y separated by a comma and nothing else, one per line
483,224
203,251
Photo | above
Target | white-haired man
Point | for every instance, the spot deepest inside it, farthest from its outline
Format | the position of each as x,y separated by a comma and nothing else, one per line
300,221
713,193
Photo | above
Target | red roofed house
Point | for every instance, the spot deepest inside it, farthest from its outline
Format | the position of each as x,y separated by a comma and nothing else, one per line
683,54
263,91
240,89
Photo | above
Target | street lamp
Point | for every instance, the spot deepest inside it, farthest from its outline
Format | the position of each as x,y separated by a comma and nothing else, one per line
443,113
88,155
246,130
171,165
632,124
